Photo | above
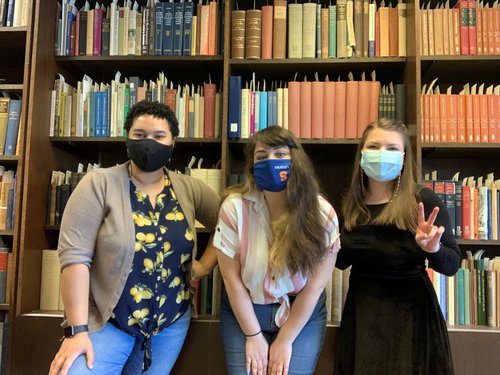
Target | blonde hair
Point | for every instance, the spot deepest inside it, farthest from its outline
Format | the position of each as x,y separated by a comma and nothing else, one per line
299,238
402,209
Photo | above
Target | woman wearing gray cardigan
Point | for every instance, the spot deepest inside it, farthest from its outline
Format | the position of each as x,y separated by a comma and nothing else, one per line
126,246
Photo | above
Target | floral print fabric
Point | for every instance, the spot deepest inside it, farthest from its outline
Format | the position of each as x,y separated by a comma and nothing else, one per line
156,293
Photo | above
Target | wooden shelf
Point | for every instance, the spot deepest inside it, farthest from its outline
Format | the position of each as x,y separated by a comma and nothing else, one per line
479,242
6,232
460,69
187,68
122,140
285,69
4,307
460,150
15,88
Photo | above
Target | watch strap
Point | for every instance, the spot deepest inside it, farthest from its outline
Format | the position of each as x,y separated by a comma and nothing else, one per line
70,331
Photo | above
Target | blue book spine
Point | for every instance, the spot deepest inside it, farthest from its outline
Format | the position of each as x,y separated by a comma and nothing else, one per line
461,296
274,110
234,119
168,29
442,294
269,108
490,216
108,113
188,29
104,114
98,114
178,28
92,105
263,110
71,19
12,127
498,213
10,13
159,10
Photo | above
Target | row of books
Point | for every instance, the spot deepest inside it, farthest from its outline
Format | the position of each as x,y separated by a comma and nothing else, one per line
207,293
5,266
60,187
473,205
14,13
95,109
7,198
350,28
472,116
10,113
4,324
470,28
317,109
211,176
472,295
157,28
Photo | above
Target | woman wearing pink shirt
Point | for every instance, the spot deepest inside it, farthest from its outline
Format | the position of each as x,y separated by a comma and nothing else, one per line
277,240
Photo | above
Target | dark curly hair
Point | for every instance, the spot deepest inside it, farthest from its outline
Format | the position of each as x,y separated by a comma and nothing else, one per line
155,109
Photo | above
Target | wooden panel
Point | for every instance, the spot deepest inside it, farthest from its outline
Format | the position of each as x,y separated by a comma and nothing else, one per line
473,352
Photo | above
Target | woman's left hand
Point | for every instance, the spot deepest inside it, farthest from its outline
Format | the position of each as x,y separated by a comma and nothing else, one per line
199,271
428,235
280,354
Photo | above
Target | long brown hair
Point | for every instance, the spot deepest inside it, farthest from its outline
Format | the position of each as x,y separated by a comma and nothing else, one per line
299,238
402,210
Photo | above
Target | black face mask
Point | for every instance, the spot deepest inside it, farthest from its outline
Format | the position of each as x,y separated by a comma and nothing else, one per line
148,154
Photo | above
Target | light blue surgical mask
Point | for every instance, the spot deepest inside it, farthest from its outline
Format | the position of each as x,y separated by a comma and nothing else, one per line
382,165
271,174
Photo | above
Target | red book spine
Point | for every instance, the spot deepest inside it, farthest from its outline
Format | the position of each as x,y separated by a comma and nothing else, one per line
317,97
472,27
328,110
483,118
464,27
97,32
305,109
294,108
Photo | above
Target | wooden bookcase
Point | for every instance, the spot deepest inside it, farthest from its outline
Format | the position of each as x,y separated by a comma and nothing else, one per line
37,332
15,70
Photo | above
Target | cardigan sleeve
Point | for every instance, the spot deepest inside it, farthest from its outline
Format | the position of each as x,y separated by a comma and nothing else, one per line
447,259
81,221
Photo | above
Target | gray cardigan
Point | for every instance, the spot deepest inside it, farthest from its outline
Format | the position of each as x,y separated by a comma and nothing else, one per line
97,230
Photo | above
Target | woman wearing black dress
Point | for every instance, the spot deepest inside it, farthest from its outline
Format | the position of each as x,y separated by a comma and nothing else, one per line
392,322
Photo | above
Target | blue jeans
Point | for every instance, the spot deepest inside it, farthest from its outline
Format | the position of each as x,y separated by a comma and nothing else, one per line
117,352
305,349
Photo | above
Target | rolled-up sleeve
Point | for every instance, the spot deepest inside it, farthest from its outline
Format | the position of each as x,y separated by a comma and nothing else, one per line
226,237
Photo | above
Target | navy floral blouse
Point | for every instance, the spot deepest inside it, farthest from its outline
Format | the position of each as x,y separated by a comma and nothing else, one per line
156,293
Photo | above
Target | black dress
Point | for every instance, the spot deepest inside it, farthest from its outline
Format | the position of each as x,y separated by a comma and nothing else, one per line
392,322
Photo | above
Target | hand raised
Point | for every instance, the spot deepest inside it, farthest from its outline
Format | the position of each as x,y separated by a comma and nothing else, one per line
428,235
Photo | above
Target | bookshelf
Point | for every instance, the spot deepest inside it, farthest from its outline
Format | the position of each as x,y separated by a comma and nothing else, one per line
38,331
15,70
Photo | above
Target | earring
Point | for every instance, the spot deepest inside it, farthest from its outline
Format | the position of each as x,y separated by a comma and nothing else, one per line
396,191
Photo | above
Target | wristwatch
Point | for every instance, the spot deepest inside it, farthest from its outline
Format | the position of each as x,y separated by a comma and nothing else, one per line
70,331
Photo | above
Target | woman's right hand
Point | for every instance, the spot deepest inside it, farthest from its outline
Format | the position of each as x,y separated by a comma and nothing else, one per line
257,350
70,349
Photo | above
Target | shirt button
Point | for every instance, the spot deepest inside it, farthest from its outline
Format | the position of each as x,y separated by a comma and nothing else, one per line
157,298
155,316
158,278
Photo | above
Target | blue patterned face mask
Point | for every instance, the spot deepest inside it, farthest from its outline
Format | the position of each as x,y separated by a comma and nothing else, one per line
382,165
271,174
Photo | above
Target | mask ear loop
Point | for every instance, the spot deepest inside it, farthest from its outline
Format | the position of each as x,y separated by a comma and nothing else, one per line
362,181
396,191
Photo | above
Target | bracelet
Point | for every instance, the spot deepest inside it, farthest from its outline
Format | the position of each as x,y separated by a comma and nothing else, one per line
255,334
